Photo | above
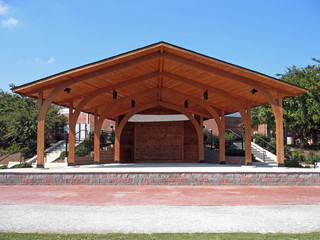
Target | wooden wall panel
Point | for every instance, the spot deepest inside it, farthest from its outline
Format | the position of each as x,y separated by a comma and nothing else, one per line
191,148
159,142
127,143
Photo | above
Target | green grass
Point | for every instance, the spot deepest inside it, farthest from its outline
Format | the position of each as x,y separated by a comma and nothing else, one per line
163,236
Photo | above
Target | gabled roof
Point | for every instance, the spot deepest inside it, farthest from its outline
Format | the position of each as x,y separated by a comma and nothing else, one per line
159,72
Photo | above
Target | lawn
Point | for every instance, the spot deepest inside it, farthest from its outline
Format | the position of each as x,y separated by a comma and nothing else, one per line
163,236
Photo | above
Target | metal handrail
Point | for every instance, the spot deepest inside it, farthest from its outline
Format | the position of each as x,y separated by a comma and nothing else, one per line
266,142
234,133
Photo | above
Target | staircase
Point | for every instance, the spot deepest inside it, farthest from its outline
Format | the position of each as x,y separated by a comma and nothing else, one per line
263,155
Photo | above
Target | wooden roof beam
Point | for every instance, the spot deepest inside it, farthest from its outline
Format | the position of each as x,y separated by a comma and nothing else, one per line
115,114
221,73
118,102
84,77
112,87
205,87
191,98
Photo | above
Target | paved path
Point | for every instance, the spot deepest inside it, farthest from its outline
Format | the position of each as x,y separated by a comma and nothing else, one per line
95,195
151,209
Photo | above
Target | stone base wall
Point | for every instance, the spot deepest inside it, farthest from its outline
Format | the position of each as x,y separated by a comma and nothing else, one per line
269,179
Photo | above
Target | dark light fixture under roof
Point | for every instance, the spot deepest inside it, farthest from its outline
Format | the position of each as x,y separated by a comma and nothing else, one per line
253,91
114,94
67,90
186,103
205,95
133,103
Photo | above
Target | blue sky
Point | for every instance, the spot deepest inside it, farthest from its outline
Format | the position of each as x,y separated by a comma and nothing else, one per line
40,38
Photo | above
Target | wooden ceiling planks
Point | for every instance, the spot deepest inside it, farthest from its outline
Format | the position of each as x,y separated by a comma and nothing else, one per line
156,66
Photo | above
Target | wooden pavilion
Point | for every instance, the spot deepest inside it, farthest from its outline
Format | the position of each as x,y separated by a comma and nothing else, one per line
159,79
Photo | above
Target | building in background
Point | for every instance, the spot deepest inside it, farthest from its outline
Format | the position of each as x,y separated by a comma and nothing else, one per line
85,124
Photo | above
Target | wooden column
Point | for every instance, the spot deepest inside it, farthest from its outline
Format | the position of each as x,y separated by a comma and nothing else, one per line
182,139
40,132
72,130
116,142
279,133
248,136
222,141
96,138
201,145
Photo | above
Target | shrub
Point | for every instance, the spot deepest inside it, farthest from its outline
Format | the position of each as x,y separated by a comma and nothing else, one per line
313,158
235,152
292,163
14,147
272,147
23,165
81,151
297,156
4,166
230,138
62,155
29,150
262,140
286,151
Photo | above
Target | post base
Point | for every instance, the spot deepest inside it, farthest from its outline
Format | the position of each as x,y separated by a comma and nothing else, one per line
248,163
201,161
40,166
281,165
70,164
222,162
96,163
116,161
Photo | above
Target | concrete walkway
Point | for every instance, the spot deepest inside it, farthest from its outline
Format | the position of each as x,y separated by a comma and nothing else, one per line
150,209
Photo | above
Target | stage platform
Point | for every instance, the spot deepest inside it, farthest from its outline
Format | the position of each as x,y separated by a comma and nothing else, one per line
161,174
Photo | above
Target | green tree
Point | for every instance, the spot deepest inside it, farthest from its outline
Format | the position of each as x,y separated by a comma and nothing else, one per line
18,120
301,113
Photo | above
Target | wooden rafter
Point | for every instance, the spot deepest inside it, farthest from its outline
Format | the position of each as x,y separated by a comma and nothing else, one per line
98,73
218,72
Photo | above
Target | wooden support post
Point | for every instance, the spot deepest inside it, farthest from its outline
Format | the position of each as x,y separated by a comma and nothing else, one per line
40,132
222,141
201,145
96,138
248,136
182,139
72,130
279,133
116,142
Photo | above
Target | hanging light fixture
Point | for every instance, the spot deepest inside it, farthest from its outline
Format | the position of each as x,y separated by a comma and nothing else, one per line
186,103
253,91
205,95
114,94
133,103
67,90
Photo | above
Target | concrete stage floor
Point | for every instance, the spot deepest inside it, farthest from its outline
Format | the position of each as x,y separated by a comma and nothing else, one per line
162,167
